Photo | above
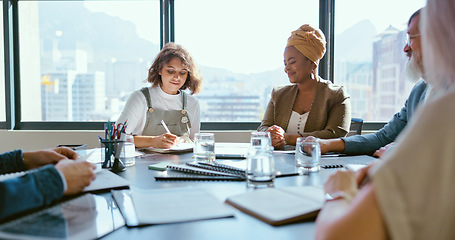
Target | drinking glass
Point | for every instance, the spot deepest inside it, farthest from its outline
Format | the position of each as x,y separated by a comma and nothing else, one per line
307,155
129,158
204,147
260,140
260,168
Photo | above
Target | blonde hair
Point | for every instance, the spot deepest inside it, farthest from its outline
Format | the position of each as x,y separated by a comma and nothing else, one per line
167,53
438,37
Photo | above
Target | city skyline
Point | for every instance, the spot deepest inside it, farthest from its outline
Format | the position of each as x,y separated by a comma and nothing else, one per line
69,50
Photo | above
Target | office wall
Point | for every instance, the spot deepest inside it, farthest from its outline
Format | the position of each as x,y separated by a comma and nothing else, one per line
33,140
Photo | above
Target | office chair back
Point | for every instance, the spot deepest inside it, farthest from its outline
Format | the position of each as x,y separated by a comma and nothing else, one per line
356,127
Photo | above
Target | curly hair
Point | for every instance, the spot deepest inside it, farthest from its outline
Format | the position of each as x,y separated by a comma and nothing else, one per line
167,53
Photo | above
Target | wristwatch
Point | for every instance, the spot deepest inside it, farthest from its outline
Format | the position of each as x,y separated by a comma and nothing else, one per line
337,195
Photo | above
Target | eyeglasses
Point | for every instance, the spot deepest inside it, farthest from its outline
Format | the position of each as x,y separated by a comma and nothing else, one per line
410,37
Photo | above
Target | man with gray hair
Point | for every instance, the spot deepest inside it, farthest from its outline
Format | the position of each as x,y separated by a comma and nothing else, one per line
377,143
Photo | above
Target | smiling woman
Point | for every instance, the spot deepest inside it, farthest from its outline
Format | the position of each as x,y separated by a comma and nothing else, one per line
311,106
172,72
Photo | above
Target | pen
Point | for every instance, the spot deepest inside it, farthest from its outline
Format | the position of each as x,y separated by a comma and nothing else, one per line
165,126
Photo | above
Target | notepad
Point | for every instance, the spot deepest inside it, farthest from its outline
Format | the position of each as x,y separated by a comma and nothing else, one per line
161,206
105,179
231,150
180,148
170,175
279,206
196,169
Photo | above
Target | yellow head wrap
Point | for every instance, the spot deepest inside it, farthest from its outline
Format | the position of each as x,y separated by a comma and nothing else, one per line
309,41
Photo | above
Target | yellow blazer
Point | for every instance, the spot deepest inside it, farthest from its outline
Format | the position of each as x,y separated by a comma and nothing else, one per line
329,117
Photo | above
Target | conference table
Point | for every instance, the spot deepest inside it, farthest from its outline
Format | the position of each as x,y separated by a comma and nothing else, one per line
242,226
97,214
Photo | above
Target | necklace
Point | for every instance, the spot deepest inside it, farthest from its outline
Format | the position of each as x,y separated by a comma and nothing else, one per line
304,110
307,109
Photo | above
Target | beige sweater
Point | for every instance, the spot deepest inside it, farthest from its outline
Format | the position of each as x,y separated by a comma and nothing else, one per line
329,117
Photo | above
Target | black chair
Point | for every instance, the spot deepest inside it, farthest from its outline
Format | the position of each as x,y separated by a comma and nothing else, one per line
356,127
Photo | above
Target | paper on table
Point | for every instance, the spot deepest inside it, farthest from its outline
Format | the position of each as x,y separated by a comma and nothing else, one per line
106,179
159,206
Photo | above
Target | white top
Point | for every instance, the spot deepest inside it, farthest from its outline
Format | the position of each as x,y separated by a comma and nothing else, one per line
414,183
297,123
136,108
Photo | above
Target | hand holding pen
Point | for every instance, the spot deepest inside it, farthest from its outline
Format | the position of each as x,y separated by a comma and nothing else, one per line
166,140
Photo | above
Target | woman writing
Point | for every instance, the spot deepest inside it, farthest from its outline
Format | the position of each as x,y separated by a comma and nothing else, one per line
311,106
172,72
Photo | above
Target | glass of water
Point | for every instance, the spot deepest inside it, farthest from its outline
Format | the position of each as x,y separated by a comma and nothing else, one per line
260,168
307,155
260,140
204,147
129,158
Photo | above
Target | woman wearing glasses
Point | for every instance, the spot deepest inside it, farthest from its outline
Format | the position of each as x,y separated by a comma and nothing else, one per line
411,194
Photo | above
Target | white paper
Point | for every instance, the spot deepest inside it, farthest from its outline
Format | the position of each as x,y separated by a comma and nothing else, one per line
158,206
106,179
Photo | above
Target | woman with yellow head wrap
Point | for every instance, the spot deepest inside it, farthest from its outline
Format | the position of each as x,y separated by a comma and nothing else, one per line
311,106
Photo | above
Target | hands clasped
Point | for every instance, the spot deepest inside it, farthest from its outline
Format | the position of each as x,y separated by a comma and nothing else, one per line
277,136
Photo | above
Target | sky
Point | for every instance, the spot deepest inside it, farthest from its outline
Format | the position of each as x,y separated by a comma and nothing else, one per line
248,36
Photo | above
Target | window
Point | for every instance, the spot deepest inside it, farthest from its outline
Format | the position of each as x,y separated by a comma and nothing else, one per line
369,58
2,75
80,60
239,47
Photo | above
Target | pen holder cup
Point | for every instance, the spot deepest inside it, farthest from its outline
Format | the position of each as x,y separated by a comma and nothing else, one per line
112,149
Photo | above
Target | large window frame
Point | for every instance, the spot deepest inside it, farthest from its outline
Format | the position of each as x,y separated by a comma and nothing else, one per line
167,33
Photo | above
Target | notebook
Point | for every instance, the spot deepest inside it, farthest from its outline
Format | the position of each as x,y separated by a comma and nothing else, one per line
182,176
105,179
231,150
279,206
180,148
282,168
161,206
341,161
196,168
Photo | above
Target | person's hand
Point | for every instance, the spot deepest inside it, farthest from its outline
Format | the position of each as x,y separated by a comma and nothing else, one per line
361,174
381,151
40,158
329,145
77,174
277,136
184,139
166,140
342,181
